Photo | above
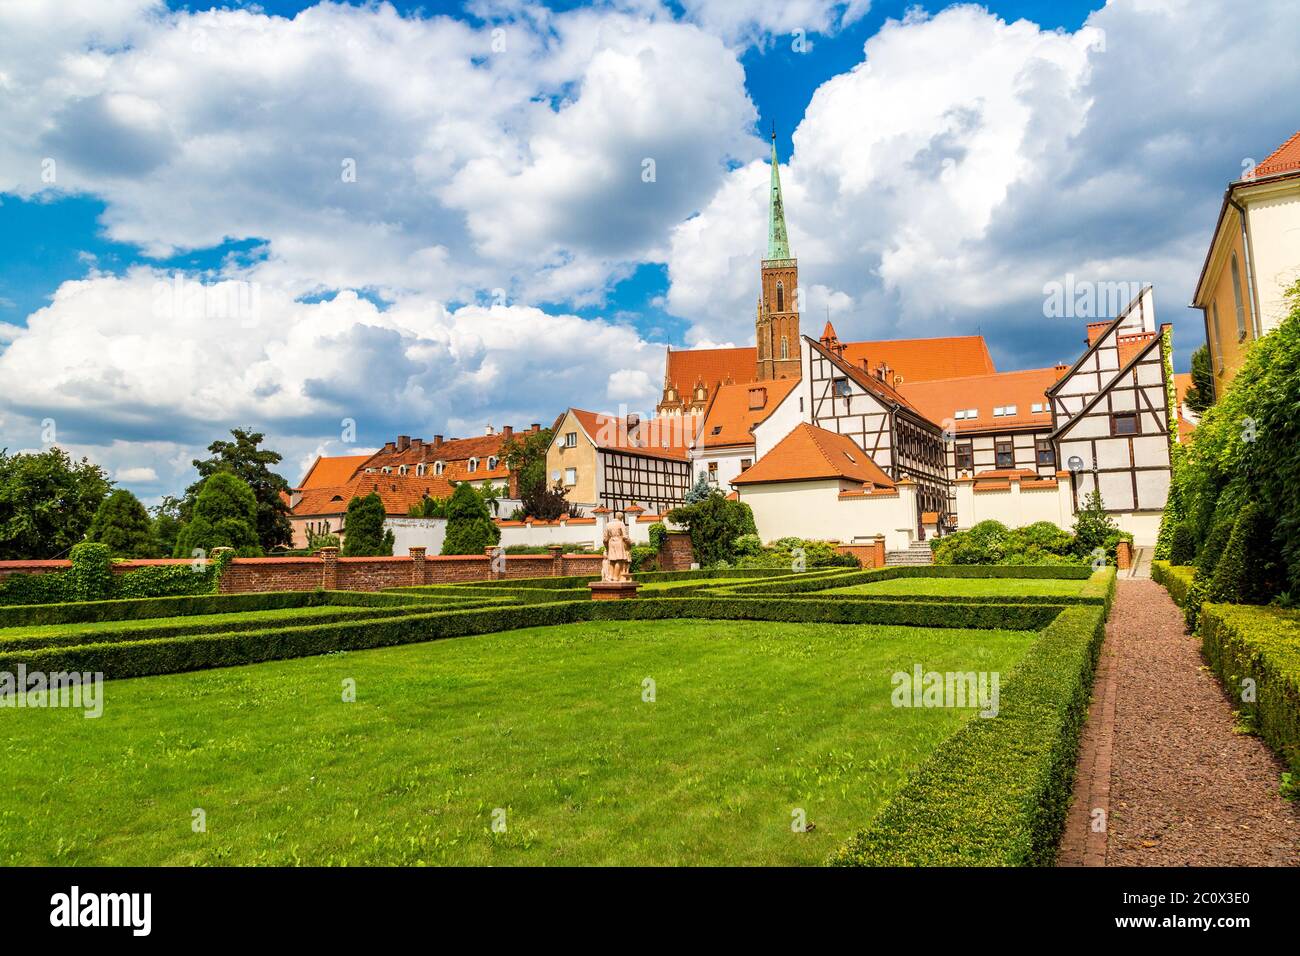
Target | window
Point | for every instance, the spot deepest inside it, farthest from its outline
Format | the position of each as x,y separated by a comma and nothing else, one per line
570,439
1218,337
1045,453
492,463
745,463
1236,298
439,467
713,472
420,469
780,297
387,470
965,456
785,347
964,413
473,465
1005,454
570,476
1004,411
401,469
841,388
717,429
1124,423
850,458
1038,408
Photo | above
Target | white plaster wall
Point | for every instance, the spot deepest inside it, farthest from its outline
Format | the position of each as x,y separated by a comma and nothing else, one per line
814,509
1143,525
1274,226
1014,507
784,417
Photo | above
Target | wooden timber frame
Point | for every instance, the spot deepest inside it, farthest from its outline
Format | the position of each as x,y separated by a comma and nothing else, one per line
651,481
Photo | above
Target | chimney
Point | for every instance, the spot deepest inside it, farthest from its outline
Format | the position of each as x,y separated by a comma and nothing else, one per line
403,442
437,441
388,446
417,442
1060,368
534,427
507,431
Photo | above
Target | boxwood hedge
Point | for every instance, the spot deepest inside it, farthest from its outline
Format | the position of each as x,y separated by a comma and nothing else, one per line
1261,644
997,791
1177,579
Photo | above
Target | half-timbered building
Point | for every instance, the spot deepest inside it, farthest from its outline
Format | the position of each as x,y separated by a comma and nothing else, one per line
617,462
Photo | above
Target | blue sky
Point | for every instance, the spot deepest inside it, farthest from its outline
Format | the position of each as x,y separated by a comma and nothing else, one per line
499,252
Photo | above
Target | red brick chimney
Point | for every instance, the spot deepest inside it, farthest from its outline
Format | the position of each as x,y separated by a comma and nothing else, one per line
507,431
437,441
403,442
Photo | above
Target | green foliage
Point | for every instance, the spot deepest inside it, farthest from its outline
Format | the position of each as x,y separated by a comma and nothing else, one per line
789,553
47,503
224,515
525,456
123,525
317,541
702,490
91,577
714,524
993,543
643,557
1205,566
658,535
1247,571
1094,529
1182,546
1262,645
996,792
252,465
470,528
1177,580
166,517
364,534
1200,396
1244,448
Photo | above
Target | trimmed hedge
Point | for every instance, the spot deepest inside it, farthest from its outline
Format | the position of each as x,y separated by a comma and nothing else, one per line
1177,579
71,635
997,791
88,612
1263,644
837,578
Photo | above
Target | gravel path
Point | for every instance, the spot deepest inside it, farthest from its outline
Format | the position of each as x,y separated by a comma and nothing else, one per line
1181,789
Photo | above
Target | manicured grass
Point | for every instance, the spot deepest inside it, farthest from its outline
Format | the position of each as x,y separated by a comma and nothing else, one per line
1010,588
693,583
751,720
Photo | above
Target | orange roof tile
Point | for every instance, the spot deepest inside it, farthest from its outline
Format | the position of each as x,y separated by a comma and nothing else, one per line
398,492
808,453
1284,159
1182,382
731,417
685,367
667,437
327,472
940,400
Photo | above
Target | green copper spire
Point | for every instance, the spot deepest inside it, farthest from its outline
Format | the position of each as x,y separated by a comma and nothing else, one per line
778,243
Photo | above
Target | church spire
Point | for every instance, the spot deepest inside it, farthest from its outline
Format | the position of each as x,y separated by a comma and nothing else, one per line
778,243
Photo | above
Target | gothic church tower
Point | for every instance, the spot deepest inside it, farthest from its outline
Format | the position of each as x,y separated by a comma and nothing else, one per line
777,325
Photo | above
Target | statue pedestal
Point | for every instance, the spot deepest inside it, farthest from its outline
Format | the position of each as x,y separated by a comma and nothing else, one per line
613,590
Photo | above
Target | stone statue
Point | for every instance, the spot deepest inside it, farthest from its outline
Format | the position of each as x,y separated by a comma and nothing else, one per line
618,551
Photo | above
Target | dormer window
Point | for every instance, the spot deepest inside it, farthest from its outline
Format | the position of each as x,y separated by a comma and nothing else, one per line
966,413
473,465
401,470
439,467
420,469
492,463
387,469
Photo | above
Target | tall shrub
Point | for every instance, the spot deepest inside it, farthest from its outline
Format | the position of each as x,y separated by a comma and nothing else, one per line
91,574
124,526
224,516
364,535
470,528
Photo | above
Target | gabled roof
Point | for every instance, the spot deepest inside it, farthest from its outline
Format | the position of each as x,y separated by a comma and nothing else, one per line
326,472
1135,355
867,380
1284,159
941,399
809,453
730,419
916,360
398,492
667,437
1095,337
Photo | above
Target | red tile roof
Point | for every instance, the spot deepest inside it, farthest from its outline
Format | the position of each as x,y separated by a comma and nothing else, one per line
455,454
398,492
1284,159
666,437
940,400
328,472
916,360
731,419
808,453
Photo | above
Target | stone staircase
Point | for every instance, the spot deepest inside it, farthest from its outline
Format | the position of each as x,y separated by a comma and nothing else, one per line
917,553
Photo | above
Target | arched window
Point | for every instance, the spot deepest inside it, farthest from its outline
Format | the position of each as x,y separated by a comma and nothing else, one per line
492,464
473,465
785,347
780,297
438,467
419,469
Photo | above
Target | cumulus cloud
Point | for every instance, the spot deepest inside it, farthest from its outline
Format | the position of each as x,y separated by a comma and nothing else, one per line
966,161
756,21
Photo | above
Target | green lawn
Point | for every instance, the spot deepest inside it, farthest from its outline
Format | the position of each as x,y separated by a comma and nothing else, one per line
968,587
751,721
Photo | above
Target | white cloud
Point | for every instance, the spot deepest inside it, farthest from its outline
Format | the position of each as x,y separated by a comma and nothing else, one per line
756,21
135,476
967,161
